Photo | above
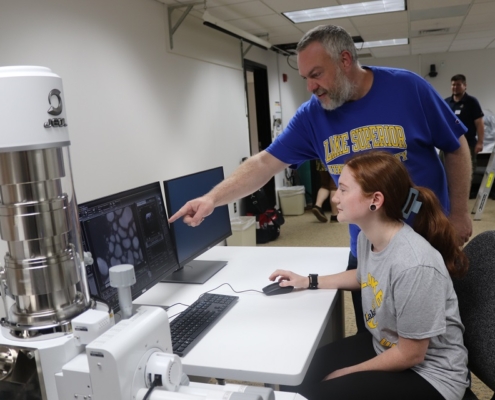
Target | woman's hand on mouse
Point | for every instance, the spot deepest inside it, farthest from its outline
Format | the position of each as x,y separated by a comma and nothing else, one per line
289,278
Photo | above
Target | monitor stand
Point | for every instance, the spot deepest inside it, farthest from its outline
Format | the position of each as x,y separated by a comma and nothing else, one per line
196,271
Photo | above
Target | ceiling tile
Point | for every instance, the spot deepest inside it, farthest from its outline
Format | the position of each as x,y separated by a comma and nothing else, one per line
241,10
473,21
429,48
392,51
285,39
343,22
438,23
427,4
440,39
217,3
431,44
483,8
399,17
263,24
169,2
268,21
472,44
444,12
478,19
482,26
286,30
488,34
395,31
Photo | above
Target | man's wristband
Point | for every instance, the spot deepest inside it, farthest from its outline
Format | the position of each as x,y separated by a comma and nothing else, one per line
313,281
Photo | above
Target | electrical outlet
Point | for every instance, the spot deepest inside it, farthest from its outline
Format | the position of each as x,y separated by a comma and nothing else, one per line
235,207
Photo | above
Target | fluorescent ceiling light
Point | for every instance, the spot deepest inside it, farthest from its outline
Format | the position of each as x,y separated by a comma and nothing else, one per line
381,43
346,10
218,24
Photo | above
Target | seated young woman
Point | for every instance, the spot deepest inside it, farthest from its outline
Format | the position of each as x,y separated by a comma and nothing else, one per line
413,347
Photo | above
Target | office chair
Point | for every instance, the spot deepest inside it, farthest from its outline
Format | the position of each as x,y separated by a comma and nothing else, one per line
476,294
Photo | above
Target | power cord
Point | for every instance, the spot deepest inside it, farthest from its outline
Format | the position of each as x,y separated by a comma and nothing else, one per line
156,382
100,300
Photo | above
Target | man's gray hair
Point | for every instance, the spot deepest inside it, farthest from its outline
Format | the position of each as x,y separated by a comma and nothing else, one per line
334,39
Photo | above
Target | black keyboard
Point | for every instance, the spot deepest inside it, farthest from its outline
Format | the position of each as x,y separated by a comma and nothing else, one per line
197,319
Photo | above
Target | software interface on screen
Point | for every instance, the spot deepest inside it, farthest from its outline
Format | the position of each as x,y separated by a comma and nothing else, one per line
191,242
127,228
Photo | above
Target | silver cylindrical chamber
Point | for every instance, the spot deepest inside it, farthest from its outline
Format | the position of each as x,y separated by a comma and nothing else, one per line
44,276
43,268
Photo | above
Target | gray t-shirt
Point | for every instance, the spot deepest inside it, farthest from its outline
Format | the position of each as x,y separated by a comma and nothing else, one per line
407,291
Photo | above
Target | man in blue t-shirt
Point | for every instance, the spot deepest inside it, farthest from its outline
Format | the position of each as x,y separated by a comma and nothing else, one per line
355,109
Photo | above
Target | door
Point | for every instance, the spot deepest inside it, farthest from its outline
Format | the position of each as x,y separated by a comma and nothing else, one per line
260,133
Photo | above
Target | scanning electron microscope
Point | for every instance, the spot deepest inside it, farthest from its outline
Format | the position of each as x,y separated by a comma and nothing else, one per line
56,343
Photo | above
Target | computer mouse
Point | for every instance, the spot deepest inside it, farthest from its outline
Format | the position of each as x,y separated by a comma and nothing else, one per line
275,288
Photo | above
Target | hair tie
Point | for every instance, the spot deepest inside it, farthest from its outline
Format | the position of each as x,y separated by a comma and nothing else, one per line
415,204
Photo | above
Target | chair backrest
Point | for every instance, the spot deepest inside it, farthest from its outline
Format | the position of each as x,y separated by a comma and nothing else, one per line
476,294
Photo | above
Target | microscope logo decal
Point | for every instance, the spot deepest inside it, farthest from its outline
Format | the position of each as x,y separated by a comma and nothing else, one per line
55,122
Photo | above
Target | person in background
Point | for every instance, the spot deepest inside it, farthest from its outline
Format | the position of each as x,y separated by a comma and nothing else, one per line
354,109
413,346
326,191
468,109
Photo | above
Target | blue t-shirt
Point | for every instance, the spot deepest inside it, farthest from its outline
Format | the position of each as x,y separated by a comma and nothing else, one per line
401,113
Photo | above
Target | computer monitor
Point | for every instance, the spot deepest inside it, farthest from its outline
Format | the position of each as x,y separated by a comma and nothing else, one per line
130,227
191,242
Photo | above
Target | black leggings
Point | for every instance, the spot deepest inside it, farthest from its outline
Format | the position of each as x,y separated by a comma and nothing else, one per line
367,385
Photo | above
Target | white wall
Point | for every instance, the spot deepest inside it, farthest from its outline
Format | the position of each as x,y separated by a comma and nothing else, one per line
136,112
477,65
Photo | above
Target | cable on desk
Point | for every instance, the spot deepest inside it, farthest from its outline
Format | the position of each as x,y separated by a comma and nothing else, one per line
211,290
176,304
235,291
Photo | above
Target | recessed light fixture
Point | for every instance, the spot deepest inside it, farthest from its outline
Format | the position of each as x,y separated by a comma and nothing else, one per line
346,10
381,43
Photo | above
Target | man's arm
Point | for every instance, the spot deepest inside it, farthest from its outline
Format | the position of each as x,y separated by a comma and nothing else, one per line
480,131
458,170
247,178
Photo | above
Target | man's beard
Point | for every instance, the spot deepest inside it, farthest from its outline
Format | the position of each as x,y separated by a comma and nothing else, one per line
342,92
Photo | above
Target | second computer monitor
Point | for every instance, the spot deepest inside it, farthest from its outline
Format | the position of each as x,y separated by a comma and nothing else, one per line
191,242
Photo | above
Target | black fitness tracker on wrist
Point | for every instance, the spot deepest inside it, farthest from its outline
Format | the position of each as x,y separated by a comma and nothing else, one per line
313,281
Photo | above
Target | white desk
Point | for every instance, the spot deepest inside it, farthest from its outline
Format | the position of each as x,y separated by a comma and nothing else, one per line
269,339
